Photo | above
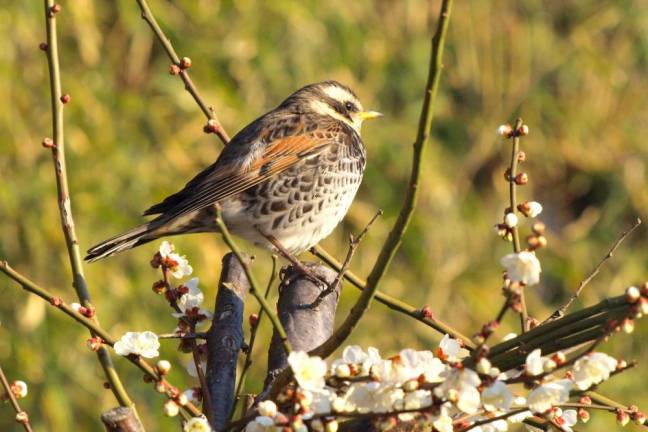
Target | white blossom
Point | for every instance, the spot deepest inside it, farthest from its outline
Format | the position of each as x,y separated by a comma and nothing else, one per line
144,343
592,369
193,298
355,355
547,395
534,363
170,408
443,424
178,265
451,350
197,424
522,267
460,387
309,371
510,220
267,408
19,389
534,209
261,424
497,397
569,419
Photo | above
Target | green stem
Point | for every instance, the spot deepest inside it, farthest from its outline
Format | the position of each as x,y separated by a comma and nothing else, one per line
395,237
254,290
94,327
392,302
148,16
65,207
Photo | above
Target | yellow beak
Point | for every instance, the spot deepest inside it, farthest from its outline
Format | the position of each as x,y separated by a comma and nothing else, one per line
370,115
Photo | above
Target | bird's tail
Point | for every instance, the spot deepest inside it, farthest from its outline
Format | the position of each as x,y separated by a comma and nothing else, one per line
128,240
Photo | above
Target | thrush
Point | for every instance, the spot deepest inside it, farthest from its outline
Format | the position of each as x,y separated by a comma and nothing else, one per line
285,180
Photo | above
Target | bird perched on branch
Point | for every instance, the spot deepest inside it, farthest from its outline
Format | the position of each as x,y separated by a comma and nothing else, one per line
289,177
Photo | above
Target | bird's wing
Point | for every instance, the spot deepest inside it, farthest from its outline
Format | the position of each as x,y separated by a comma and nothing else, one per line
225,178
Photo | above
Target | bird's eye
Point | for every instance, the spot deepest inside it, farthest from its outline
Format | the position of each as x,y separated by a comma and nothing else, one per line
350,106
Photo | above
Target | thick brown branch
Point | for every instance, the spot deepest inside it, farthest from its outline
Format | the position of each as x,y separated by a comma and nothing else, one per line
225,339
121,419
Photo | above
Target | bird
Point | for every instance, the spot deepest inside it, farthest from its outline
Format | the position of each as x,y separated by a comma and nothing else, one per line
284,181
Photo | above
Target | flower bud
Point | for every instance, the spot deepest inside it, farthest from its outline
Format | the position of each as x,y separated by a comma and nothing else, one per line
548,365
171,409
174,69
632,294
505,130
521,156
65,98
22,417
253,319
48,143
43,46
621,364
628,325
343,371
510,220
639,418
483,366
583,415
94,343
332,426
182,399
538,227
163,367
559,357
426,312
56,8
160,387
410,386
530,208
19,389
521,179
622,417
523,130
185,63
643,306
267,408
585,400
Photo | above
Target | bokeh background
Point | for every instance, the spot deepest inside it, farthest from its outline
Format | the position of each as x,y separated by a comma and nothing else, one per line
574,70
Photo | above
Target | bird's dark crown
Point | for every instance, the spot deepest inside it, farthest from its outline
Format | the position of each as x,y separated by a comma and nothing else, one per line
341,100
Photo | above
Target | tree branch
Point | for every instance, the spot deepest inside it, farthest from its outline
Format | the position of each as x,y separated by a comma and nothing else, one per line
392,302
411,194
225,339
563,309
306,326
121,419
21,416
213,124
64,203
94,328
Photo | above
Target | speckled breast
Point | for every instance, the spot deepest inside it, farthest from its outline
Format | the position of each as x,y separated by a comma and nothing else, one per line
303,204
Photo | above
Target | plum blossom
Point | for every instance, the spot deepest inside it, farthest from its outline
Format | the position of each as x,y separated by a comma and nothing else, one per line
534,209
309,371
592,369
197,424
19,389
547,395
522,267
261,424
533,365
460,387
568,419
355,355
267,408
497,397
145,344
178,265
451,350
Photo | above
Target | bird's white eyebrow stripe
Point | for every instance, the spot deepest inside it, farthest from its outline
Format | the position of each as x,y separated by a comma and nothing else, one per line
338,93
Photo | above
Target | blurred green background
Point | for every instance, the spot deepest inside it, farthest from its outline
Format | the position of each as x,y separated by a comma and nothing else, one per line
574,70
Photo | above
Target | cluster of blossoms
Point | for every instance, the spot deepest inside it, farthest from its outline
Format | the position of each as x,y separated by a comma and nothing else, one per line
445,389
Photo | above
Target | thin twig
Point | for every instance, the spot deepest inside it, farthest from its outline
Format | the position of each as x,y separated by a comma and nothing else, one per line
563,309
21,416
253,284
354,242
94,327
64,203
148,16
392,302
253,332
395,236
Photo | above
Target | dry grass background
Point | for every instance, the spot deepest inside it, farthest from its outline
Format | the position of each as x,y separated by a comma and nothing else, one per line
575,70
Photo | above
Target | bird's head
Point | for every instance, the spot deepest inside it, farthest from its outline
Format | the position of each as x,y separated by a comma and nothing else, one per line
330,98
